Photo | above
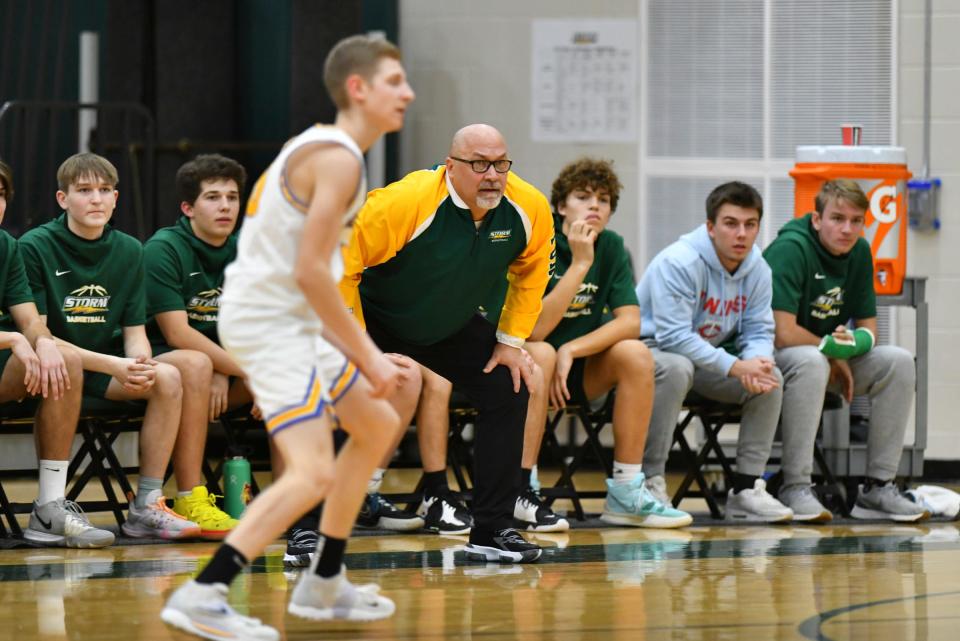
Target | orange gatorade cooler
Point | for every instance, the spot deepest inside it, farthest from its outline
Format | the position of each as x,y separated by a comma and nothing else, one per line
882,174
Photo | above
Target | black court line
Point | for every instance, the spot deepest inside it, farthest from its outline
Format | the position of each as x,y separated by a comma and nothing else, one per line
93,568
812,628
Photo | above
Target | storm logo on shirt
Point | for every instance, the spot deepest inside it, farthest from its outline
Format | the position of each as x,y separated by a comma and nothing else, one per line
582,303
827,304
205,306
87,304
499,235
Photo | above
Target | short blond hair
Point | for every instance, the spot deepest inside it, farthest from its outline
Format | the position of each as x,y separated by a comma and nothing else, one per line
841,189
354,55
83,165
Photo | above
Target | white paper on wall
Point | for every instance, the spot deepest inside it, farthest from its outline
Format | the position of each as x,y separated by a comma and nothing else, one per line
584,80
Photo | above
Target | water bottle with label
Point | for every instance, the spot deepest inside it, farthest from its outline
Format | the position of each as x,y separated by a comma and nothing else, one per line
236,485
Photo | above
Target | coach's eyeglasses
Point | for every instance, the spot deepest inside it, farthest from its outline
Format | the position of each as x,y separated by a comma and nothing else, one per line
481,166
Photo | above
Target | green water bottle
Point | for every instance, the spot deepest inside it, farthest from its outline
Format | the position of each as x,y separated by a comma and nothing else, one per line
236,475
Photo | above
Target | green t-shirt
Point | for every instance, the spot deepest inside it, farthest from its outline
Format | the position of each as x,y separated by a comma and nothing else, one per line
608,284
185,273
823,290
89,289
13,281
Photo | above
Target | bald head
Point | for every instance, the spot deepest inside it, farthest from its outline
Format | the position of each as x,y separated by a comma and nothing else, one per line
481,192
474,137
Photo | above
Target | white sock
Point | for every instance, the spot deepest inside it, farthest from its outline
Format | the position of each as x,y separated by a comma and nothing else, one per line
623,473
185,493
373,485
53,480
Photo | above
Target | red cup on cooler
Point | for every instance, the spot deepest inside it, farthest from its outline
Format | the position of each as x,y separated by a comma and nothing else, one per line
850,133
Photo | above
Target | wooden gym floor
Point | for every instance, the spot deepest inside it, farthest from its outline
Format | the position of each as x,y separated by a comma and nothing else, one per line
713,582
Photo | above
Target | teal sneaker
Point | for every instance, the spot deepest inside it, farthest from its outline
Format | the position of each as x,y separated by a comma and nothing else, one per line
633,504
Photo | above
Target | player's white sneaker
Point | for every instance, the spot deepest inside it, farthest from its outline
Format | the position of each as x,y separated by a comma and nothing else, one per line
322,599
202,609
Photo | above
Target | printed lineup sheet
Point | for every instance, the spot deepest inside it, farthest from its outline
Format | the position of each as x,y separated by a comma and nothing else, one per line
584,80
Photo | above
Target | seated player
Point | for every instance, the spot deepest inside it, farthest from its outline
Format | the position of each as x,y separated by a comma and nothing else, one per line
184,267
823,280
88,284
33,365
708,290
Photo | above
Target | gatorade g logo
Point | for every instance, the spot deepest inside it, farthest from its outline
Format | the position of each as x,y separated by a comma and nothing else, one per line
883,204
87,304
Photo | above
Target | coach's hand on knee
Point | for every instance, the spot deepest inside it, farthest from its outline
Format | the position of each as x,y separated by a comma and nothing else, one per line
513,359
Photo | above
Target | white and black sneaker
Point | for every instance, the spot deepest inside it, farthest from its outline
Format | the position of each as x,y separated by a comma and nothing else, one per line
505,546
301,547
444,514
531,514
378,512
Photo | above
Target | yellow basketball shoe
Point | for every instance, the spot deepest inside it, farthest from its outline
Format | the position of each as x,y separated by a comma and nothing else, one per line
201,507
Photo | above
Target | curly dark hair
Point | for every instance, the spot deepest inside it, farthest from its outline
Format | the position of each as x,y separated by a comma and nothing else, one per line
6,177
586,172
191,175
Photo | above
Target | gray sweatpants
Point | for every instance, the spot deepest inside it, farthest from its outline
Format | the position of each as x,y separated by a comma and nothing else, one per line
885,373
674,376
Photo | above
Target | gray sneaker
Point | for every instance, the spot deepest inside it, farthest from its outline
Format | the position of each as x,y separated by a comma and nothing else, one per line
657,485
804,503
886,502
62,523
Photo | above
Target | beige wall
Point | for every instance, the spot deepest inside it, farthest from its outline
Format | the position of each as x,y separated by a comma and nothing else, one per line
936,255
470,62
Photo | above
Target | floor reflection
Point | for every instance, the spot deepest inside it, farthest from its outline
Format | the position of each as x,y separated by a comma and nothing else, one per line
853,582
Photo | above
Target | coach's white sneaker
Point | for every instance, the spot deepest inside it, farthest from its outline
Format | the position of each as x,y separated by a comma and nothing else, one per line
202,609
323,599
756,505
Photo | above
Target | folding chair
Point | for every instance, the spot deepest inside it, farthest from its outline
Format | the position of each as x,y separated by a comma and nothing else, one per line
713,416
15,418
101,422
459,455
593,422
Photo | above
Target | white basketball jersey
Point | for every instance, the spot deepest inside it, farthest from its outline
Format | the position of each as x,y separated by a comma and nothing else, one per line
262,275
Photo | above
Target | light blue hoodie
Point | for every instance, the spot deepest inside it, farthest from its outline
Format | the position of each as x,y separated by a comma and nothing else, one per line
690,304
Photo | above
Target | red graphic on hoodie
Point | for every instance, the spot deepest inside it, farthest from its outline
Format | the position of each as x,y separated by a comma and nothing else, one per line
723,307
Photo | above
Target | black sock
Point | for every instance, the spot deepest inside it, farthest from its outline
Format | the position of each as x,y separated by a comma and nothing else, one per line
869,483
433,482
743,482
331,556
525,474
225,565
481,537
